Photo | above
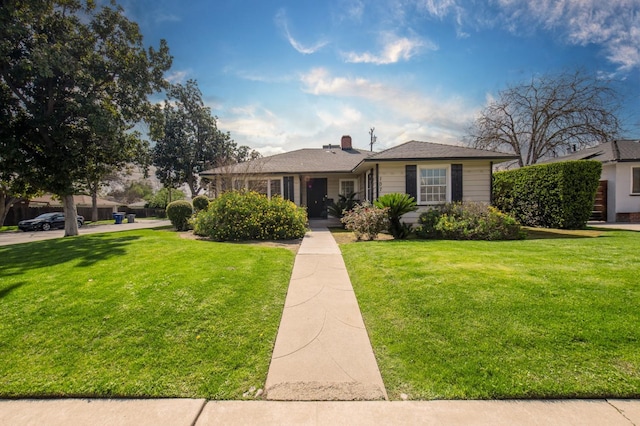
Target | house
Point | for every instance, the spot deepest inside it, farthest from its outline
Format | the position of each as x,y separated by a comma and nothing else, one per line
619,191
432,173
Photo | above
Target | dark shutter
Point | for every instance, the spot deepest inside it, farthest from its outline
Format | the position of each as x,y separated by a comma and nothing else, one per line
411,176
456,182
288,188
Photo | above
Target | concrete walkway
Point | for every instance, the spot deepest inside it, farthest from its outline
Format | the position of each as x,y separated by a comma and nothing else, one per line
322,351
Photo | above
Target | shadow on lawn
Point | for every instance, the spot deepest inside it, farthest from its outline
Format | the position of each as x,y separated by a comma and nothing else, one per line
90,249
545,234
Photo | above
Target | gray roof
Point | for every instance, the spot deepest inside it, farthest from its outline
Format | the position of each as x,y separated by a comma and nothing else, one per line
416,151
336,160
608,152
308,160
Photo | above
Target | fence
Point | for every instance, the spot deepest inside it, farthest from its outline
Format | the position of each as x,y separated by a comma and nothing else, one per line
22,212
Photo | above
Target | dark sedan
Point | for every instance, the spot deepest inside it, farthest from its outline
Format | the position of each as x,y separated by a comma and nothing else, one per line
46,221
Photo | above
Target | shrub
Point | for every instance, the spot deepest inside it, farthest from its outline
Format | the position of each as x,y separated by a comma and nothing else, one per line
241,215
345,203
366,220
556,195
468,221
179,212
201,202
397,204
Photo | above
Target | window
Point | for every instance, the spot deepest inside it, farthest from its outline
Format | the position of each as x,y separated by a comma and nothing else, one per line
275,187
259,186
238,184
635,180
347,186
433,185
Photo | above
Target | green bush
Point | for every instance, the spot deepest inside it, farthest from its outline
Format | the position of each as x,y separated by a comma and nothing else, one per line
201,202
366,220
397,204
179,212
468,221
345,203
557,195
242,215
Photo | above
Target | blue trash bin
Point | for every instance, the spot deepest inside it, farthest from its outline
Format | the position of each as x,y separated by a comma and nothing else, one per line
118,217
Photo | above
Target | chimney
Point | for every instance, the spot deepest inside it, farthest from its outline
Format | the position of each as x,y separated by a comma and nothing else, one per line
345,142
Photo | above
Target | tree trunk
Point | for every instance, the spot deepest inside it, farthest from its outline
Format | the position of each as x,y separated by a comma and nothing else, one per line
94,206
5,204
70,216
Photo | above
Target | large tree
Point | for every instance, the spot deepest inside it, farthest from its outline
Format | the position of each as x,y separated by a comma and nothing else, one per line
81,77
188,141
549,115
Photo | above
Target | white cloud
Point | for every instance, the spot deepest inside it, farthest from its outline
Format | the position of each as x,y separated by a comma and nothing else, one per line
177,76
394,49
613,24
446,117
282,23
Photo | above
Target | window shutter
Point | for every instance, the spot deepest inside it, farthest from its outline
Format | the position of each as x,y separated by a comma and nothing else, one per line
456,182
288,188
411,185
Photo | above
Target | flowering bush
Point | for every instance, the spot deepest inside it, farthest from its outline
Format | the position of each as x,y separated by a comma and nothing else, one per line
468,221
366,220
241,215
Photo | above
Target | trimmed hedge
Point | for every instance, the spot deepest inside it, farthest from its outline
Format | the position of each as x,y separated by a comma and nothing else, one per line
179,212
200,202
242,215
556,195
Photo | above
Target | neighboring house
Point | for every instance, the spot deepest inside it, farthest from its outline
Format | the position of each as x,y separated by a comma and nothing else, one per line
432,173
48,200
619,191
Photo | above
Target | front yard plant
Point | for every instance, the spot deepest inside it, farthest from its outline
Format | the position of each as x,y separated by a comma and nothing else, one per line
179,212
248,215
138,314
468,221
545,317
366,220
398,204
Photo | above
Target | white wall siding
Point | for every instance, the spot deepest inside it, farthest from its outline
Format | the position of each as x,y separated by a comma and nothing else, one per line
476,181
625,202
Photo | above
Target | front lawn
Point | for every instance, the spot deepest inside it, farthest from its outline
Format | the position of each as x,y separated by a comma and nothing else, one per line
542,318
138,314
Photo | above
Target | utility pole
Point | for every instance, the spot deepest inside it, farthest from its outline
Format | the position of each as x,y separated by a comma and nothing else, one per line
373,138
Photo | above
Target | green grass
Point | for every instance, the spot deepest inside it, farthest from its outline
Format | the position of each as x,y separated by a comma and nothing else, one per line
8,228
138,314
541,318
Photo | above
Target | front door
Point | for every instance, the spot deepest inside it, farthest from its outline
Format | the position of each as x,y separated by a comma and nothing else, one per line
316,197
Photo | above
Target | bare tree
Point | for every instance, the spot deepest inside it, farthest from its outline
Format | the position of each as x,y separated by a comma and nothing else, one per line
549,116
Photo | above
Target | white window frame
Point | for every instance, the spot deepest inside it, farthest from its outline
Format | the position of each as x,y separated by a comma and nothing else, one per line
447,176
352,180
281,187
637,170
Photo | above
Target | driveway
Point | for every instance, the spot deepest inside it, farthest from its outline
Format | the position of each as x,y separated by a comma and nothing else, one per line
18,237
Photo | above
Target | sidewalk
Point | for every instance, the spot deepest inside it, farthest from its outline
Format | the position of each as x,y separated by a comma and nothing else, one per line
198,412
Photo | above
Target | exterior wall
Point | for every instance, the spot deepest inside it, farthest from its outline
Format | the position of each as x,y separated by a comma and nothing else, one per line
476,182
624,202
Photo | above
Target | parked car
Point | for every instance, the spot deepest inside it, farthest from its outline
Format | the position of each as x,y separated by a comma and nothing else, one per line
46,221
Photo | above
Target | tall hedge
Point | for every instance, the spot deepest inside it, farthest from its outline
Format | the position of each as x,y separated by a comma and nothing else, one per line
556,195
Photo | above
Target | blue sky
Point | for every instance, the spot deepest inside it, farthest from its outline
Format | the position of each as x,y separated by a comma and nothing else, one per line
289,74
